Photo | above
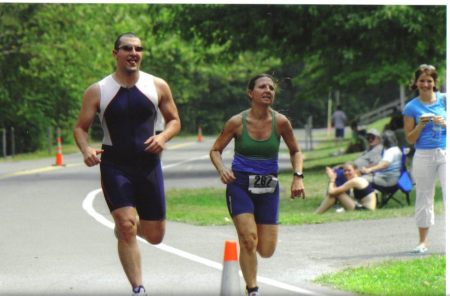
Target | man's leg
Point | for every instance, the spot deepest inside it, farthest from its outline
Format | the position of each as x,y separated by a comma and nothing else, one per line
126,228
152,231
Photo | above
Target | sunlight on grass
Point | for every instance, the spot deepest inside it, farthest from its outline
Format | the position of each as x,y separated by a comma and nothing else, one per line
416,277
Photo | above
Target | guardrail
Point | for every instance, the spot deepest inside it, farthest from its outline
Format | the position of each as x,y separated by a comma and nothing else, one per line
378,113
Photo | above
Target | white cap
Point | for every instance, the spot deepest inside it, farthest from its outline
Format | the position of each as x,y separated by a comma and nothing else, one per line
375,132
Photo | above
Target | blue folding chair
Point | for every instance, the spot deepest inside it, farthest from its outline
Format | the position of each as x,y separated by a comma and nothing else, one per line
404,184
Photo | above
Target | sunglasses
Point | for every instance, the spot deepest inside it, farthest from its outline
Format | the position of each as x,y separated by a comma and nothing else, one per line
129,48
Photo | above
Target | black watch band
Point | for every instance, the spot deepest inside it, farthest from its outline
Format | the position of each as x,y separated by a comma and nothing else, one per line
299,174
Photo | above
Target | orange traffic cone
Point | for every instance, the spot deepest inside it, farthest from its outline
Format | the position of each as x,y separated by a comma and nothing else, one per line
59,155
199,134
230,273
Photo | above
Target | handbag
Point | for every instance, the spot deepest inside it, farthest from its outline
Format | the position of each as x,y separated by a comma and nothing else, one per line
404,182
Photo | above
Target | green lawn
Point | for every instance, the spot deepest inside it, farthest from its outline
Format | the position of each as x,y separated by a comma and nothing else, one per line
418,277
207,206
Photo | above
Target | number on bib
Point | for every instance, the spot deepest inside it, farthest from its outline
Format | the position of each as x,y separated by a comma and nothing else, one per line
260,184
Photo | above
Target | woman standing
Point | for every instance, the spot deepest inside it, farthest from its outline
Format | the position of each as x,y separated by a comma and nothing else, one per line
252,193
362,196
425,127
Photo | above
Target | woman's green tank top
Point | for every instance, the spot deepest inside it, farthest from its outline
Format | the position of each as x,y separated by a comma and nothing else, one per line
266,149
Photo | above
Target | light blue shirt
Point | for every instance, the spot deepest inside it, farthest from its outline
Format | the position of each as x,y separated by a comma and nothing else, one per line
432,136
393,156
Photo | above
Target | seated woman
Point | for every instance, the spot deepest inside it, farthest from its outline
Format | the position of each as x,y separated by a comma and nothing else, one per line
387,171
356,193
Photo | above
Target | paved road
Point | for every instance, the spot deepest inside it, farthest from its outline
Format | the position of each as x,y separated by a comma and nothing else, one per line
51,245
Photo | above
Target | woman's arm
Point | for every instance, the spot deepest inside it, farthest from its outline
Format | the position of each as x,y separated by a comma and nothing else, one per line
229,131
334,190
285,130
413,131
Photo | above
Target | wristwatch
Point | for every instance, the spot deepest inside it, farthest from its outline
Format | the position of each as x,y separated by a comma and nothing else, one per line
299,174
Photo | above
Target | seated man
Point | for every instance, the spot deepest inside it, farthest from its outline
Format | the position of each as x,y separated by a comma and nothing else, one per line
387,171
372,155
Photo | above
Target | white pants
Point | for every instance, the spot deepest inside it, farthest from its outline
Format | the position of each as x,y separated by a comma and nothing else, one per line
427,164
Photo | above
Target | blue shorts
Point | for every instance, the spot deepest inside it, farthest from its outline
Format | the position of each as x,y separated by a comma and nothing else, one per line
240,200
138,185
339,132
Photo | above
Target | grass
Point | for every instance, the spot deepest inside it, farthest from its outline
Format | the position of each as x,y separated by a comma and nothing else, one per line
67,149
207,205
423,276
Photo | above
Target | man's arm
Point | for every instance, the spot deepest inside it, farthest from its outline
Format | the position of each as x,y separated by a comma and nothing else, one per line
169,111
89,107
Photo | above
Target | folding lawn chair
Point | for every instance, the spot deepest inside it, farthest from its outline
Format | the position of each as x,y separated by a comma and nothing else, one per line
404,184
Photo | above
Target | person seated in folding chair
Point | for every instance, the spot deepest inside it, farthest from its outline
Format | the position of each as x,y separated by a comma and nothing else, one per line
388,170
369,157
355,194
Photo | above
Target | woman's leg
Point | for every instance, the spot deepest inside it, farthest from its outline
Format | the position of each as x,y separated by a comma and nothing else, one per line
267,239
441,158
424,172
346,201
248,242
327,203
369,202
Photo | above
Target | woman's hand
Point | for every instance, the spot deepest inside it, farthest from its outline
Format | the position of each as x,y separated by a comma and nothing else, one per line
330,173
297,188
439,120
226,176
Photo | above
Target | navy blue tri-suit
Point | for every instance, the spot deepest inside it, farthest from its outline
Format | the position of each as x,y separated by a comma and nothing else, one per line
129,175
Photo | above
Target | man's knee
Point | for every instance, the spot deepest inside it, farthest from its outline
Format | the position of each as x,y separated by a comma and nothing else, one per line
152,237
153,232
126,229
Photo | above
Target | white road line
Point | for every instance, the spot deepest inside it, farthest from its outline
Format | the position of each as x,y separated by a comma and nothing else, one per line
184,161
89,208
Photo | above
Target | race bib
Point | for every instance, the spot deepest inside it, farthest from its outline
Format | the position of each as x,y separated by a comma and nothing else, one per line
259,184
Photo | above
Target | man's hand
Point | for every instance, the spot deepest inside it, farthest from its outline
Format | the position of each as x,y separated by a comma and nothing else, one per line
90,156
155,144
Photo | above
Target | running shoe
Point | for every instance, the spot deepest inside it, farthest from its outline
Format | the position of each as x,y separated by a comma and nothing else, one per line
340,210
139,291
252,292
419,250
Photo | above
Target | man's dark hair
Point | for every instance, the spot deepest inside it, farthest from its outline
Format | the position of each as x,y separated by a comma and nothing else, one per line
127,34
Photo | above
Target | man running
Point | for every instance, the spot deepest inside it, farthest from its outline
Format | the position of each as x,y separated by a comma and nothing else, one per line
127,102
